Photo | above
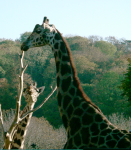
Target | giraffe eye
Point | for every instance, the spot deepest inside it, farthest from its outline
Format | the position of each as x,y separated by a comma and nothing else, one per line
47,30
38,30
24,90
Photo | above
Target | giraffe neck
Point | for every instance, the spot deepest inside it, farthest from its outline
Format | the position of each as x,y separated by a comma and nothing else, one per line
21,129
69,89
82,119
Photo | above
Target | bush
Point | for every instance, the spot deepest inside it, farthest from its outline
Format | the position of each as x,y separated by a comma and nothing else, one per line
40,134
106,47
120,120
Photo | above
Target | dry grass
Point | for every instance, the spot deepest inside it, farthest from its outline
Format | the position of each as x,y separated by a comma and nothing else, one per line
8,117
120,120
42,135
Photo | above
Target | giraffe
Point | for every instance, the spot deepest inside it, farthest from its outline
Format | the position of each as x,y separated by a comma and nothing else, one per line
86,125
30,93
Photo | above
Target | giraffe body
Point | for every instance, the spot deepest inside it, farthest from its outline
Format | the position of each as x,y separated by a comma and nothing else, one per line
85,124
30,93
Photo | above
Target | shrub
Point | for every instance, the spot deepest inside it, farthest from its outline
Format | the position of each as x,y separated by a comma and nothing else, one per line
120,120
40,134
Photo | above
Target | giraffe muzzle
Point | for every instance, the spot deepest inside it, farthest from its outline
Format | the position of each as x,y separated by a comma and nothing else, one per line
24,47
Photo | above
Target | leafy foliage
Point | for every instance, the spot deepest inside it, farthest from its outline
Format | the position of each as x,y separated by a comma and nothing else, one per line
40,134
107,91
24,36
99,64
126,83
106,47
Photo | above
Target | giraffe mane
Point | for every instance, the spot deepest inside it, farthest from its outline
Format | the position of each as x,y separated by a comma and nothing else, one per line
75,72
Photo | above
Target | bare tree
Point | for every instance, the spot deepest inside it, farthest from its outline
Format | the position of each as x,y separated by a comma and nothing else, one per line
9,135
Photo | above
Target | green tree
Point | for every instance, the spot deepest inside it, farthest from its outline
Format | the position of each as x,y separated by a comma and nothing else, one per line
2,72
126,83
106,47
24,36
82,63
107,94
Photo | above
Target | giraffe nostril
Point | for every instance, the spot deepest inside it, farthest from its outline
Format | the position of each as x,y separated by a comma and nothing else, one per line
24,90
24,47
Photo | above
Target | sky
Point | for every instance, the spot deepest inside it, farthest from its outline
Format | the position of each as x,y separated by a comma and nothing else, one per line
71,17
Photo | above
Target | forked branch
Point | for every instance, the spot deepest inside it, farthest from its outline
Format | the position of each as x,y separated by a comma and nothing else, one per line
9,135
1,122
38,107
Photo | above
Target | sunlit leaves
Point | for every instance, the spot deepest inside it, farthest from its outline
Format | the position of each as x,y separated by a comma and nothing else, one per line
2,72
126,83
106,47
24,36
82,63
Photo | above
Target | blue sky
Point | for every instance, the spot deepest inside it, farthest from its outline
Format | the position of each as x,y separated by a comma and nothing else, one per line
71,17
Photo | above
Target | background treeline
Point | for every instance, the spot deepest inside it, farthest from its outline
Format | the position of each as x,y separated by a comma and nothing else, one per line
101,65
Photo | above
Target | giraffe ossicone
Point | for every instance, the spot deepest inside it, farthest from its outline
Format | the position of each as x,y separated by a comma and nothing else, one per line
31,92
85,124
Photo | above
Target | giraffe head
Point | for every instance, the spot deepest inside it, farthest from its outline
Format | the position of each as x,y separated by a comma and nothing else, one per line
32,92
42,35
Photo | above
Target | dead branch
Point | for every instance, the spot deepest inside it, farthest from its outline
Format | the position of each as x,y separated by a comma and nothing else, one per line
1,122
8,137
10,133
38,107
20,91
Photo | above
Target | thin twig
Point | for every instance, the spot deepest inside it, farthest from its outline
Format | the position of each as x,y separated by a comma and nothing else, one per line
20,91
20,88
1,122
38,107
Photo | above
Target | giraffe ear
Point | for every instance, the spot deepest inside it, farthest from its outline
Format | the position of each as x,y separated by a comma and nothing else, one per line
35,84
41,89
27,84
45,20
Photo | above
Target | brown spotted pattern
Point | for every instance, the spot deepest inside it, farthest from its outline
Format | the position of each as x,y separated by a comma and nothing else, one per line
30,93
85,124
